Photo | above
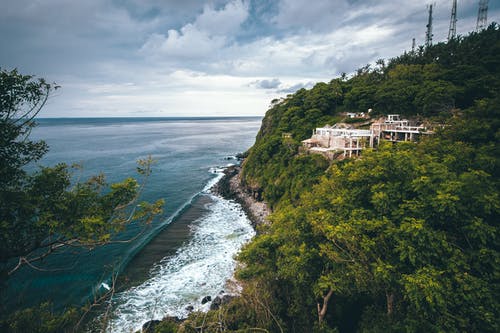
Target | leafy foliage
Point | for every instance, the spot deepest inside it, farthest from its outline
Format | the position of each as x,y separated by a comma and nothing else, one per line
405,238
41,319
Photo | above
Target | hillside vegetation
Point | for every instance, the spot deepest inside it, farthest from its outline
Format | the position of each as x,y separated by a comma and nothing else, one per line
404,239
431,83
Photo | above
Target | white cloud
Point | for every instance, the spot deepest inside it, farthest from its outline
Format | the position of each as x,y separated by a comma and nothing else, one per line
190,43
310,55
212,30
224,22
208,43
295,87
266,84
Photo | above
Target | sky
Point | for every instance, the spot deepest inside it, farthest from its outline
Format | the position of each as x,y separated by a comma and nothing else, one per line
183,58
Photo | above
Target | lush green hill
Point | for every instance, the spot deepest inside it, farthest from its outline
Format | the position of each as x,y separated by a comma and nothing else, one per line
405,238
430,83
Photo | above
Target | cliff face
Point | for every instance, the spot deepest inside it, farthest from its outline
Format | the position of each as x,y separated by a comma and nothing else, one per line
230,187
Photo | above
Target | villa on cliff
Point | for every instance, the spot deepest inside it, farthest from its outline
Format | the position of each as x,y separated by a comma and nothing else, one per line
339,138
395,129
343,140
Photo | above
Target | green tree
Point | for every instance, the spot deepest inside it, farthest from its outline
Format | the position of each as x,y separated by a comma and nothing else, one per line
44,211
41,319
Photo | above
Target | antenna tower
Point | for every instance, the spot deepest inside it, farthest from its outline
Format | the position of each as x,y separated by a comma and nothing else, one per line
428,34
482,15
453,21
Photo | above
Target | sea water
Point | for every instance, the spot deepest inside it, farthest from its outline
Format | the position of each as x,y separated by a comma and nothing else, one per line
186,254
200,268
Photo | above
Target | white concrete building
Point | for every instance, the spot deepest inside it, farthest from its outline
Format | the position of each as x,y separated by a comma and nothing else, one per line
340,138
394,128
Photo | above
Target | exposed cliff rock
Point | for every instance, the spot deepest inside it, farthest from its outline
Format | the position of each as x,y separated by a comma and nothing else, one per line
229,187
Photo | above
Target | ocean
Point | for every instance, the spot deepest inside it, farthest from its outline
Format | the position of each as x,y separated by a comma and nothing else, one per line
186,254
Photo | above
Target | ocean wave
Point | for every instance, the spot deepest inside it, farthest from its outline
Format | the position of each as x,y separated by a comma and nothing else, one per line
199,268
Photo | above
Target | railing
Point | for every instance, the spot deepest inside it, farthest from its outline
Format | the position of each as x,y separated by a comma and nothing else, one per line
410,128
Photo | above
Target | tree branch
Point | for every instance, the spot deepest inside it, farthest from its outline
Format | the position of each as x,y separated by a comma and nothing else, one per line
322,309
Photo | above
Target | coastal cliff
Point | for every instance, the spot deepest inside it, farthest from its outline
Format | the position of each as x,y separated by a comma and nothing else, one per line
230,187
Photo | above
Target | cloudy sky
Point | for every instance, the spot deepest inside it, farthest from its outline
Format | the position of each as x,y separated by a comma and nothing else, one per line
205,58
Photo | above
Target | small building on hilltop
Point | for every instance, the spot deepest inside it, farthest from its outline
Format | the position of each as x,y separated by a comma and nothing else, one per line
340,139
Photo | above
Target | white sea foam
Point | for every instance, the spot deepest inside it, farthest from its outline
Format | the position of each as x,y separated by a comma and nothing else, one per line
219,172
199,268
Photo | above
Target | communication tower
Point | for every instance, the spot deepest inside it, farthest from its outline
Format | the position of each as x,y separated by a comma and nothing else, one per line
413,45
428,34
453,21
482,15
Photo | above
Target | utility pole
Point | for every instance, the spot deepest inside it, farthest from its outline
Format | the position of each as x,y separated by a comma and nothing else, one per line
453,21
428,34
482,15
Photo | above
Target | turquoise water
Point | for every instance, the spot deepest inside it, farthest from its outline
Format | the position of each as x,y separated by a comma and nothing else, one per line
185,150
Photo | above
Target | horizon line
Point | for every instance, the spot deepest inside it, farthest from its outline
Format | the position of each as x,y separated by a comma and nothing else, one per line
151,117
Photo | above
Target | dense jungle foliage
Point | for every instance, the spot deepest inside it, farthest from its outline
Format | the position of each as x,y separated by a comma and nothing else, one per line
405,238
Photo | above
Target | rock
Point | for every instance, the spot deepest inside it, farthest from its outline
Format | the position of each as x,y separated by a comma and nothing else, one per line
241,156
227,298
149,326
176,320
189,308
206,299
218,301
250,198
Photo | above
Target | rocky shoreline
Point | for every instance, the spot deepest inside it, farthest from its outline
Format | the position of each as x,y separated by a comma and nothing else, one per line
230,188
